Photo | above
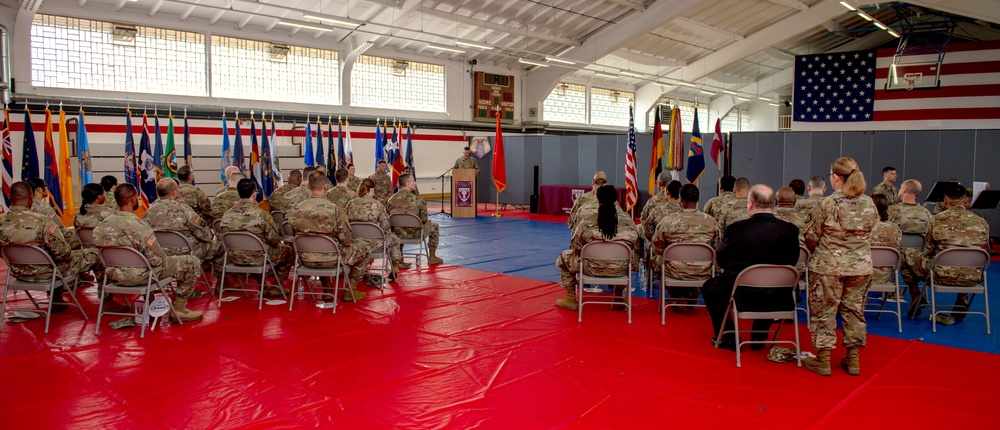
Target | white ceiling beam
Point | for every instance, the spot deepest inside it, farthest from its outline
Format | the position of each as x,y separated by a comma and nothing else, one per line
121,4
631,4
187,13
645,59
156,7
215,18
778,54
705,30
270,26
81,3
790,3
498,27
985,10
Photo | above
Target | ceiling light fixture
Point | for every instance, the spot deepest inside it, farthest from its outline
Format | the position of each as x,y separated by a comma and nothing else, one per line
632,74
559,60
687,84
742,99
707,92
773,104
848,6
732,93
605,75
880,25
472,45
865,16
764,99
297,25
531,63
444,48
893,33
331,21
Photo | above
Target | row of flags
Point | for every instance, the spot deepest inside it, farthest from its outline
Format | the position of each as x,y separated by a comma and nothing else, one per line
390,149
669,156
264,164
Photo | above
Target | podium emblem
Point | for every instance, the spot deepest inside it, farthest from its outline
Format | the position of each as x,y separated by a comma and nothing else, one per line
464,189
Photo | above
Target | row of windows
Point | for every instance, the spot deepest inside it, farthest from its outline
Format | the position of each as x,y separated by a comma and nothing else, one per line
95,55
568,103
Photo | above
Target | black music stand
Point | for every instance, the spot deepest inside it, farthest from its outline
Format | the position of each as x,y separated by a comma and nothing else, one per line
937,191
987,199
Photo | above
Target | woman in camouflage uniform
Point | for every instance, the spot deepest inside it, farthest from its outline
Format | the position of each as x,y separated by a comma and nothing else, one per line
365,208
93,208
840,267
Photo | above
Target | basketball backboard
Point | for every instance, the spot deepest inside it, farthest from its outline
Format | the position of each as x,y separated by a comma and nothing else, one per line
913,76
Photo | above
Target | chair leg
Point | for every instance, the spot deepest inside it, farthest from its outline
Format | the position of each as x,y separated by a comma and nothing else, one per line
145,315
899,309
48,309
933,309
986,301
72,295
628,294
295,280
798,347
736,335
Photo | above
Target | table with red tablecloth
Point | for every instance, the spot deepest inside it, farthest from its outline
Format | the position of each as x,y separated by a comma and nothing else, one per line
558,199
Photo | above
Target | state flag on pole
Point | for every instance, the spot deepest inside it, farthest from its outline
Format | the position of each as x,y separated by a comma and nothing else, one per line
266,172
276,179
656,159
227,156
29,151
83,151
157,147
170,157
499,170
379,147
65,172
147,169
255,171
331,151
409,150
320,159
188,156
238,147
396,155
309,155
340,144
8,160
717,144
131,170
52,167
696,156
348,147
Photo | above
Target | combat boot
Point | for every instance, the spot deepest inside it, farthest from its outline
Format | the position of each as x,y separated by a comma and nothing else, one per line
395,272
57,303
353,295
850,362
433,259
183,313
568,302
820,364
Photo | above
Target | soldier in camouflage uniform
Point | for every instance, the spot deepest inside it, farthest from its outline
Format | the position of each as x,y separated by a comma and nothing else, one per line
887,187
366,209
93,209
383,183
466,161
340,194
247,216
319,215
840,266
816,190
225,200
587,202
884,233
277,197
786,211
689,225
725,197
912,218
109,183
300,193
20,225
352,181
596,227
193,196
656,211
736,209
41,206
170,214
954,228
125,229
405,202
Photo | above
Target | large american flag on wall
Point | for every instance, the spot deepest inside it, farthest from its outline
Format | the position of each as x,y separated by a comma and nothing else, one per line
850,86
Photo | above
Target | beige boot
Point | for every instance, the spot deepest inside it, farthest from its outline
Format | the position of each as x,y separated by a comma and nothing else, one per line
850,362
353,295
433,259
568,302
185,314
820,364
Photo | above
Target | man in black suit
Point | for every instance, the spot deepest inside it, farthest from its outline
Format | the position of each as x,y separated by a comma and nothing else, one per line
760,239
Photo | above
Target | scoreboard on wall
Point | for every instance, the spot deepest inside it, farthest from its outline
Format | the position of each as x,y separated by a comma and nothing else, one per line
489,91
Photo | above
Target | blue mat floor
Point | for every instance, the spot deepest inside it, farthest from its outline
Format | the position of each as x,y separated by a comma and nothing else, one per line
529,249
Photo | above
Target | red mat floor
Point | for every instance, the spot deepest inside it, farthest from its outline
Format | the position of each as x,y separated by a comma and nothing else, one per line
459,348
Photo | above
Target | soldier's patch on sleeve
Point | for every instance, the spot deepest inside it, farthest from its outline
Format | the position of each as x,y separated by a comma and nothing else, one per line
52,228
197,219
52,215
151,240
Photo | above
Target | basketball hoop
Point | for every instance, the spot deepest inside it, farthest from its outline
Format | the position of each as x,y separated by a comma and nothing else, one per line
911,80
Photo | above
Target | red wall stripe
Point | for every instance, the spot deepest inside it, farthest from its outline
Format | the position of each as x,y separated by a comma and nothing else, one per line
937,114
943,92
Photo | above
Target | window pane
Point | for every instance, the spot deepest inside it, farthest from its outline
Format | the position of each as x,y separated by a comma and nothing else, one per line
687,116
567,103
253,70
609,107
386,83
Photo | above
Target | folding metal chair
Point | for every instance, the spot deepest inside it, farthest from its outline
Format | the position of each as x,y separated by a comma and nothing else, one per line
887,257
217,227
371,231
32,255
763,276
175,240
278,216
86,235
912,240
687,253
287,232
124,257
309,243
803,284
246,241
411,221
971,258
605,252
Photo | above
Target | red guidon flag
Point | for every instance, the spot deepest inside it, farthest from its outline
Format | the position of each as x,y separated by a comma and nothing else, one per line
499,167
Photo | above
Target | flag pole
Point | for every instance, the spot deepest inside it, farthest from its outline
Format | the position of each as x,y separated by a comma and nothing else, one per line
496,209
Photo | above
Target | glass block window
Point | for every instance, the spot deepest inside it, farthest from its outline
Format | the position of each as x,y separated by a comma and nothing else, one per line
744,119
386,83
253,70
95,55
609,107
687,116
568,103
731,122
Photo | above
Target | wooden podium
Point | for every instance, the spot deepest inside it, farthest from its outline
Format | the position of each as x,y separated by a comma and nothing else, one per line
463,193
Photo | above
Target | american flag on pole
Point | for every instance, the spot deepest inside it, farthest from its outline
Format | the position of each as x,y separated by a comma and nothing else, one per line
631,183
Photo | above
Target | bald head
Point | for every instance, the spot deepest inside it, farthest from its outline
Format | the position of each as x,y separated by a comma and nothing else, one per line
20,194
165,188
909,190
233,175
760,199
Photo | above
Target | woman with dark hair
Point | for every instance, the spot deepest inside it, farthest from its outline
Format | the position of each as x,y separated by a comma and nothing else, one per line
885,233
610,224
92,208
364,208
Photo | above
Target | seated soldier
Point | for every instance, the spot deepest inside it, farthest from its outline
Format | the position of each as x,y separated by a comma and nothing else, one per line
887,234
816,189
170,214
22,226
318,215
41,205
277,197
227,197
365,208
193,196
247,216
725,197
786,211
912,218
608,223
123,228
406,202
735,210
587,202
669,205
955,227
297,195
93,207
687,226
340,194
109,183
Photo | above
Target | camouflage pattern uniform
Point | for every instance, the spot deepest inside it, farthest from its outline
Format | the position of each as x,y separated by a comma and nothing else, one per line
223,202
383,186
95,214
911,218
716,204
654,215
405,202
367,209
464,162
582,206
353,183
888,190
885,234
197,200
43,208
174,215
840,268
277,197
587,231
109,201
736,210
686,226
249,217
953,228
806,206
340,196
793,216
294,197
22,226
125,229
319,215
